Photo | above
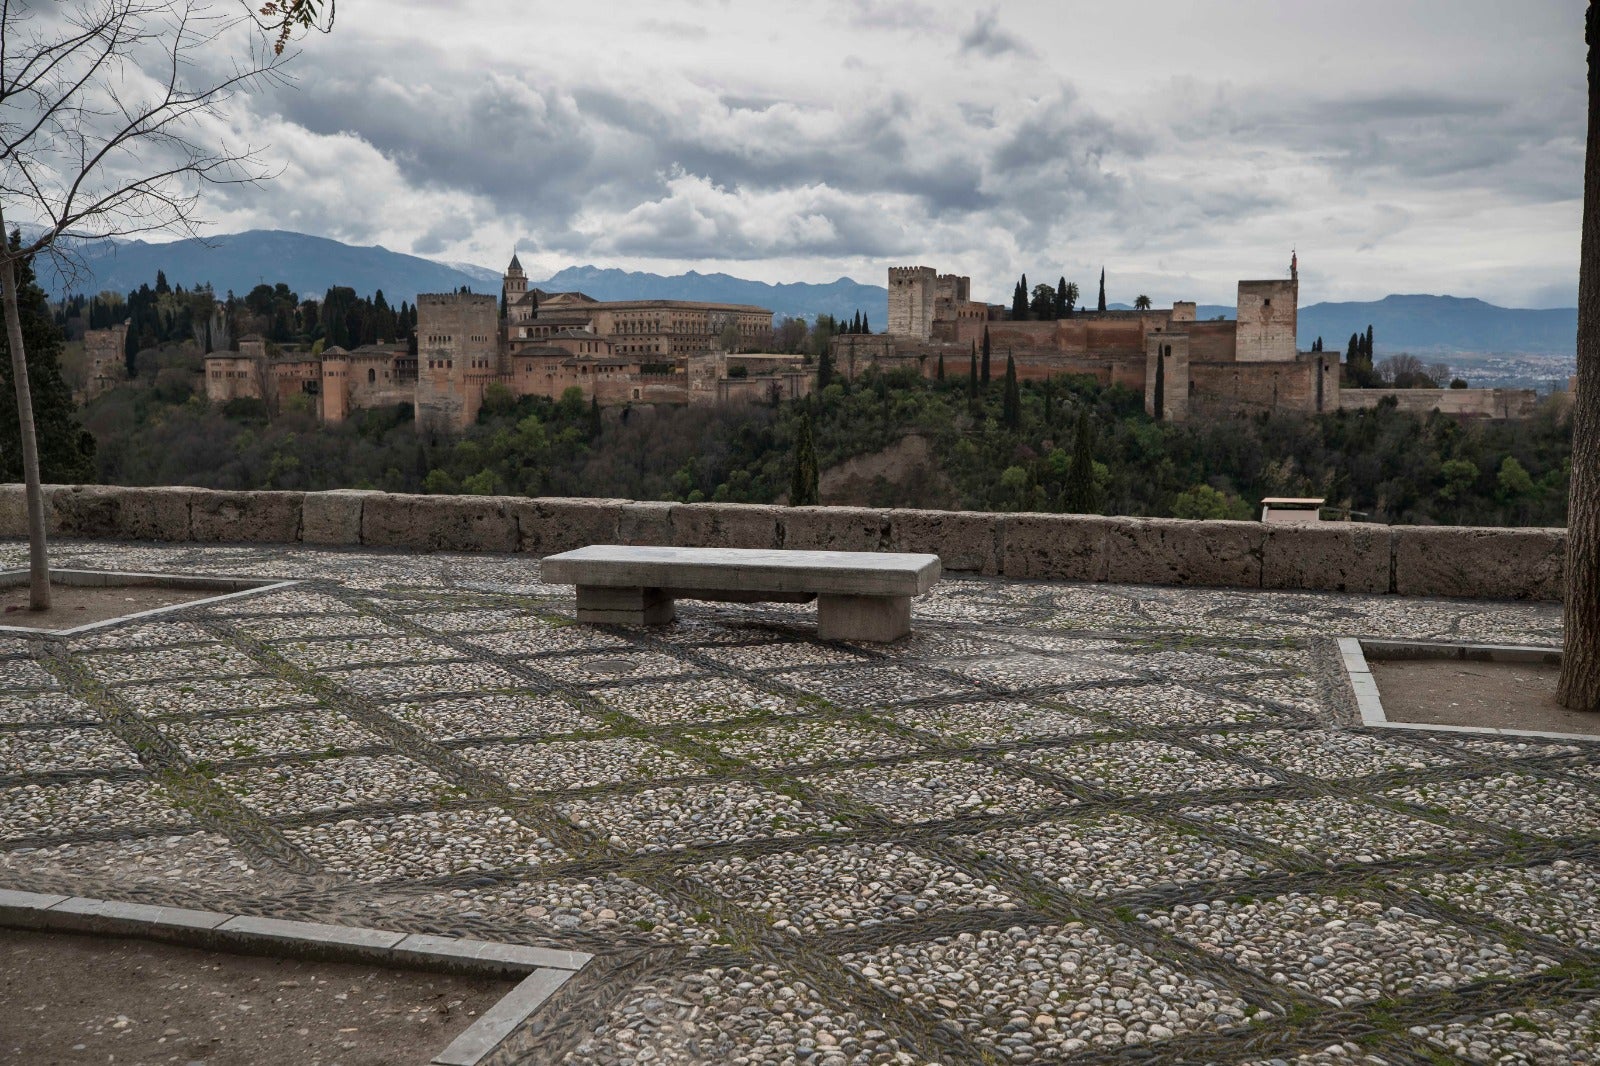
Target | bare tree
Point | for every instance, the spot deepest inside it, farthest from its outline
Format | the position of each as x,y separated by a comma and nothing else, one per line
1579,687
106,112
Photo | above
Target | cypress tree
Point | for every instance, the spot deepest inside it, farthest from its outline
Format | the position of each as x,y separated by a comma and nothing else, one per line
803,479
66,450
1061,298
985,371
1019,301
1080,474
1369,342
1049,403
941,368
594,418
1102,288
130,343
1011,410
866,327
825,368
972,379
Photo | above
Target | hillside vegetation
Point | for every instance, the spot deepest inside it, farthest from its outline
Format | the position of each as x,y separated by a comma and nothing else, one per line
1062,445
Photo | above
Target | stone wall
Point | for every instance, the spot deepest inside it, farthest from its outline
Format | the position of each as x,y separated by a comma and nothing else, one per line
1408,560
1466,403
1268,313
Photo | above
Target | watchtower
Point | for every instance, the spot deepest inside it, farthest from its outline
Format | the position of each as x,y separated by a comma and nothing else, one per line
912,291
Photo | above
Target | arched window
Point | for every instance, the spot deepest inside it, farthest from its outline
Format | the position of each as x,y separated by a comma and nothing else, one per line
372,376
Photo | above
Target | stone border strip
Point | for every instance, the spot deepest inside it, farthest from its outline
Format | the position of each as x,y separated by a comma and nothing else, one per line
542,970
1352,652
229,588
1501,563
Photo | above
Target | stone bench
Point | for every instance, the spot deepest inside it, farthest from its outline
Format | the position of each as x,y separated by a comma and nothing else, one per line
860,595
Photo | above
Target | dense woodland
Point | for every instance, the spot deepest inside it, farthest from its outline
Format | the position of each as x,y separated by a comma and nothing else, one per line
995,444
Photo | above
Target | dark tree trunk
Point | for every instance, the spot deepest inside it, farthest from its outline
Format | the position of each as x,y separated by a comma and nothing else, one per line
1580,660
38,551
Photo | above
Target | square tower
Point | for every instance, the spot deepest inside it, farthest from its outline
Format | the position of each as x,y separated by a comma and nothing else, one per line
912,291
1268,318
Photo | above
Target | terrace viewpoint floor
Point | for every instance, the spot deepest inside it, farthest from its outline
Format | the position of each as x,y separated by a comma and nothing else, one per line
1058,822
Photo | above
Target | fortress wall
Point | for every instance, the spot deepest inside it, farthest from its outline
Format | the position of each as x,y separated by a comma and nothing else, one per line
1466,403
1342,557
1240,387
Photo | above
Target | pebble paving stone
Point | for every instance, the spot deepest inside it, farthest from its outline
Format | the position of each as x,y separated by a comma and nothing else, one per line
846,886
1545,806
604,905
1166,705
695,702
753,1016
926,790
1345,950
201,695
329,784
787,852
677,817
1337,830
1540,1036
993,721
1050,991
1556,900
1131,767
270,733
494,716
49,750
398,682
556,766
425,844
1108,854
1329,754
92,806
36,709
800,743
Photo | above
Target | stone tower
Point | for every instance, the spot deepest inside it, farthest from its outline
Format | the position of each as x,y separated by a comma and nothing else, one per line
107,359
458,346
516,282
911,296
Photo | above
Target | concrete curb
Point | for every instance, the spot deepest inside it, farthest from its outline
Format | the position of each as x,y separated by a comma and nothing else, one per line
1353,653
542,970
227,588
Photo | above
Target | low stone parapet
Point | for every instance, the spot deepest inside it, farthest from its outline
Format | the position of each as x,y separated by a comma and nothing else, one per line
1488,563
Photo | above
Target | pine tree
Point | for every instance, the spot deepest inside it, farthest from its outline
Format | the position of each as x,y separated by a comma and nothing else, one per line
1102,288
162,288
1011,411
1080,495
66,450
985,367
803,479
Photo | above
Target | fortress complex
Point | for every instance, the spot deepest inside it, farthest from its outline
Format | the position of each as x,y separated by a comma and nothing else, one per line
617,353
1184,367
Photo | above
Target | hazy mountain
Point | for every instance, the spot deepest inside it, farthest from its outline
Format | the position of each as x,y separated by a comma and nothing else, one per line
310,265
795,300
241,261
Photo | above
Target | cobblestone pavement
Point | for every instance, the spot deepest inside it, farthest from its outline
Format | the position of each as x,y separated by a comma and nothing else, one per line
1059,822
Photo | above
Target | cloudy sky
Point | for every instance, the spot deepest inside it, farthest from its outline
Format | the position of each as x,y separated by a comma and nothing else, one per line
1400,145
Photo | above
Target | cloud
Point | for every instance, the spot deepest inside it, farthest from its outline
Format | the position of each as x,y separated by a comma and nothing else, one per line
987,38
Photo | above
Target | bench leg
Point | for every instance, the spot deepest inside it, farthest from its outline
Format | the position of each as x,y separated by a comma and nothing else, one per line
624,606
875,618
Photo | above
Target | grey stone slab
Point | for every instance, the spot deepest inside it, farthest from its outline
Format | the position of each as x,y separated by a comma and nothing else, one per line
10,899
842,573
112,912
312,932
484,1035
427,946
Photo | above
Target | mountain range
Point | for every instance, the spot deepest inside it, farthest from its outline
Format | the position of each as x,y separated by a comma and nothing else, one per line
1423,324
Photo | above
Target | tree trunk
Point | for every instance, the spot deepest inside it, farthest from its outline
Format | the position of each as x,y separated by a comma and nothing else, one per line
38,552
1580,659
